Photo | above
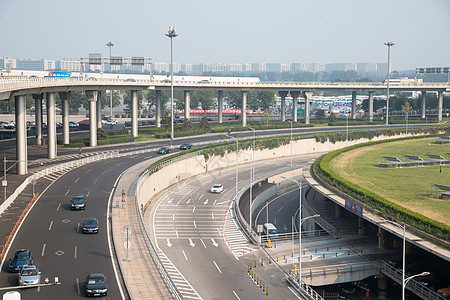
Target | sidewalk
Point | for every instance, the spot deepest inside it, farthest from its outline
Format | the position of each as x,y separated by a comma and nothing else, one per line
141,274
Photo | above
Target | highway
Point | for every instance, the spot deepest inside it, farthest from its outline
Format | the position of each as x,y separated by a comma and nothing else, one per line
201,245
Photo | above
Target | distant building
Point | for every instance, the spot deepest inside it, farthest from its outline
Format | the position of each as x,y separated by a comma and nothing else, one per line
70,65
366,67
35,64
340,67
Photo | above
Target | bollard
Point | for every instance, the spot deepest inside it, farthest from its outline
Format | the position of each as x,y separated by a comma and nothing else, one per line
292,254
285,260
267,290
336,254
260,282
277,258
262,261
295,269
255,263
270,260
269,244
257,281
284,256
264,286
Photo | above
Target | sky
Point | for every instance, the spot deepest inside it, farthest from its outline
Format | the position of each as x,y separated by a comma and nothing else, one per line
231,31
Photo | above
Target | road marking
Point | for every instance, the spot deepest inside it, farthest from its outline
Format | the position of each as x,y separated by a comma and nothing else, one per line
78,286
293,292
78,227
169,244
218,231
193,209
88,170
201,240
200,197
191,243
215,202
176,232
184,254
43,250
236,295
189,201
76,252
215,244
67,192
173,217
170,201
178,202
217,267
195,225
88,194
95,181
206,202
59,205
77,179
212,214
50,227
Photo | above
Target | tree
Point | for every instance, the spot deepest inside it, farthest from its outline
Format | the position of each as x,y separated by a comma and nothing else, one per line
234,99
265,99
407,109
106,99
267,116
127,99
204,124
151,99
203,98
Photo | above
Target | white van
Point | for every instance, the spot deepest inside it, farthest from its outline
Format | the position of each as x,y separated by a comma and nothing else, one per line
270,230
11,296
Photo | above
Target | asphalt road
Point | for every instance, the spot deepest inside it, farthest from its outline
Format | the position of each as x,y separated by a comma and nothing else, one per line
189,224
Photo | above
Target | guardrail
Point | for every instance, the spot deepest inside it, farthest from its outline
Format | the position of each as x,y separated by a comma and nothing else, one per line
162,270
415,286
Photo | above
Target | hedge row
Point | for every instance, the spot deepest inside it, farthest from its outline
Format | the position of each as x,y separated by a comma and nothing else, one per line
322,169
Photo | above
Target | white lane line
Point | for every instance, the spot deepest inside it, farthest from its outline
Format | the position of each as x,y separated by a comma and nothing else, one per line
178,202
195,225
193,209
201,240
59,205
76,180
95,181
67,192
78,286
78,227
88,194
176,232
76,248
217,267
43,250
200,197
215,202
212,214
236,295
173,217
184,254
50,227
218,231
88,170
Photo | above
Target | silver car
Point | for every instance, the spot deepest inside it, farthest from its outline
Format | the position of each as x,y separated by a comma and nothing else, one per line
29,275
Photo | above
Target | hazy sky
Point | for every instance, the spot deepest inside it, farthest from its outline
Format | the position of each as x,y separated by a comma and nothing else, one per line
241,31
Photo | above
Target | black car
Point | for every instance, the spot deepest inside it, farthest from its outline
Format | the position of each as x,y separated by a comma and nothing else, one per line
78,203
164,150
96,285
21,258
185,146
90,225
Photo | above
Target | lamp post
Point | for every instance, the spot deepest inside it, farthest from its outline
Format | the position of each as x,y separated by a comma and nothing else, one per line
403,255
252,177
237,165
300,222
389,45
405,281
346,133
291,142
171,34
110,45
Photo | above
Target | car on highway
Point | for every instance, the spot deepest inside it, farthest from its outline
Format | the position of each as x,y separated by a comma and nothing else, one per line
21,258
12,295
96,285
217,188
29,275
164,150
73,124
78,203
111,122
185,146
90,225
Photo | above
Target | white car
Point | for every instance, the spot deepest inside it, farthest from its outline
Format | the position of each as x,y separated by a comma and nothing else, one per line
217,188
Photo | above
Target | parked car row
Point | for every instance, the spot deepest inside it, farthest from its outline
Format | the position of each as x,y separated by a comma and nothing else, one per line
166,150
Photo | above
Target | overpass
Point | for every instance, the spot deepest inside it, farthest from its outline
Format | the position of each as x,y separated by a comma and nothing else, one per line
18,87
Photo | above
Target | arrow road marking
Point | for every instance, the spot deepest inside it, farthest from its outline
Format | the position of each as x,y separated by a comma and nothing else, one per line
284,227
215,244
195,225
170,201
206,201
169,244
189,201
212,215
191,243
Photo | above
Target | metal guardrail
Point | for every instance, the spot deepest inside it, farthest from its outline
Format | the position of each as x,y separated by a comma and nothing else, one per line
162,270
304,288
415,286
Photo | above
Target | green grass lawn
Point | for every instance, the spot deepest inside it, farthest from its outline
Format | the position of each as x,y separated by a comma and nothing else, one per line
409,187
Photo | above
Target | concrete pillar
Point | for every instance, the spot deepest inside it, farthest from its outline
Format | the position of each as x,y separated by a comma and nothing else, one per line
38,117
294,95
371,106
92,98
244,109
353,105
337,211
158,108
307,96
283,95
382,286
65,98
21,135
51,125
423,106
99,109
382,238
187,105
220,106
134,113
440,104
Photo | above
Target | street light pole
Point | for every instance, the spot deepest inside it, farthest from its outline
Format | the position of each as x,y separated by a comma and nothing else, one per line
389,45
291,142
237,165
110,45
405,281
171,34
252,177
